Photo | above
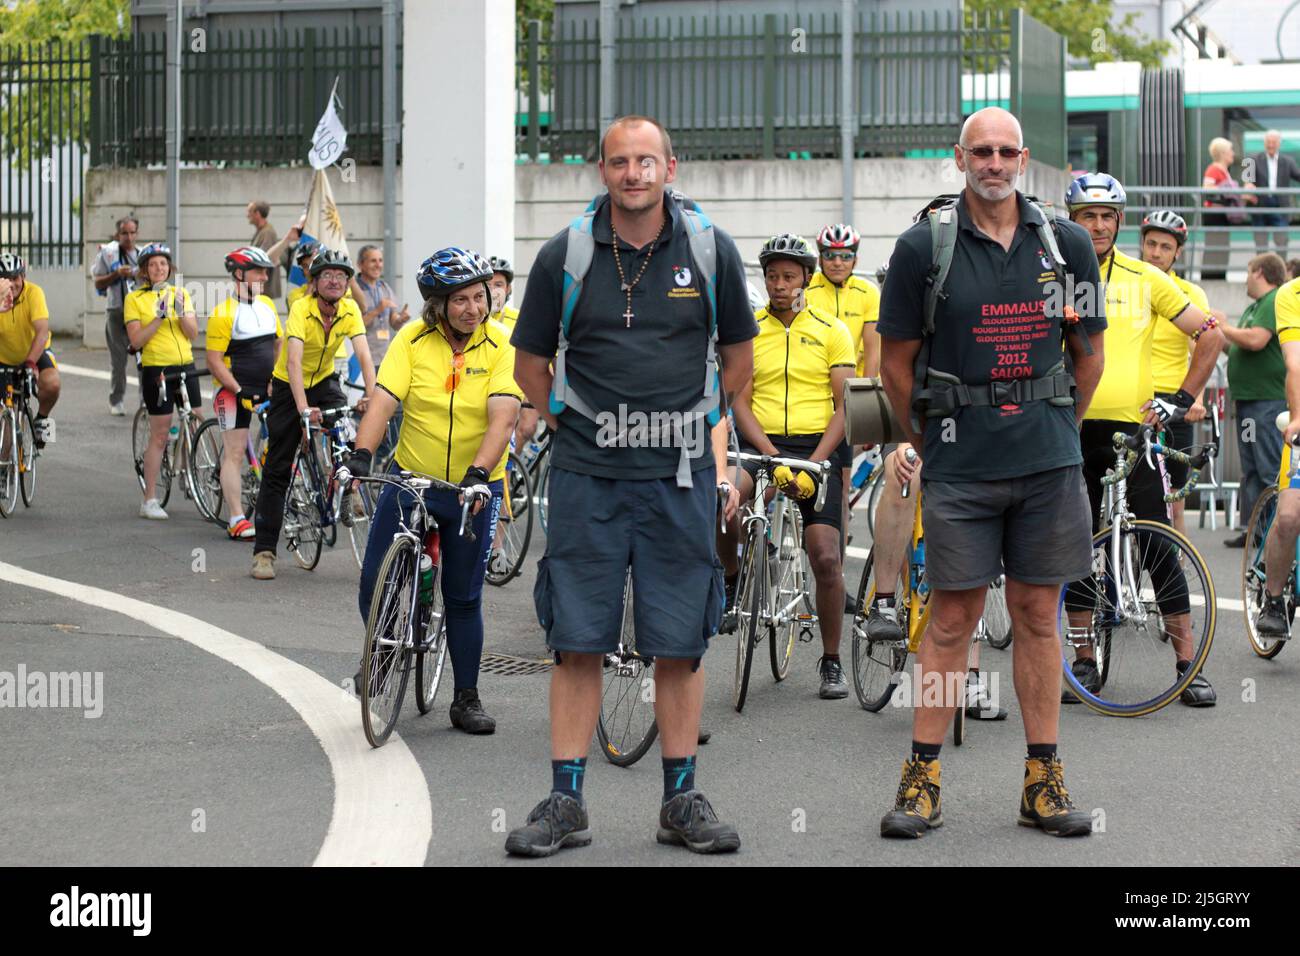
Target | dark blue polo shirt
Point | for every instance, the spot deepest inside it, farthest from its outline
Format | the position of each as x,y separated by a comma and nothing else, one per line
656,365
991,327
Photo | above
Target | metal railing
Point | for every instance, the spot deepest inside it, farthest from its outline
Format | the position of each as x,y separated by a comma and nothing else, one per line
1216,250
766,86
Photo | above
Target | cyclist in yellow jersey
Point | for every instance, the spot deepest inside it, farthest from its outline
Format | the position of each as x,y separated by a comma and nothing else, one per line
25,338
1139,297
453,372
302,383
802,357
160,325
1163,233
1274,620
855,302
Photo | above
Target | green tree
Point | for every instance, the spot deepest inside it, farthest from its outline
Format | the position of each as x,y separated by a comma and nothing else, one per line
1091,28
46,80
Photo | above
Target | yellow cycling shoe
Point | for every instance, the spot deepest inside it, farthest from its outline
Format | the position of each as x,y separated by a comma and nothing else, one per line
918,807
1045,803
795,484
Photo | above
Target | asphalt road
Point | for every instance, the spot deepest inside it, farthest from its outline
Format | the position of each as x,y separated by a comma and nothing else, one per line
224,736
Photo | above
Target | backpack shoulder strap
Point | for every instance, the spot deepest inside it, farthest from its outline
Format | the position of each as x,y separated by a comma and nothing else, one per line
578,253
1046,230
943,241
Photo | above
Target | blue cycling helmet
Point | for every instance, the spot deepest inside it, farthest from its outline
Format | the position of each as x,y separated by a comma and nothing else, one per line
1095,189
450,269
151,250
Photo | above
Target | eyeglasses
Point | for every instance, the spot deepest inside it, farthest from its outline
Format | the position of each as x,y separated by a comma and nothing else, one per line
986,152
457,364
845,255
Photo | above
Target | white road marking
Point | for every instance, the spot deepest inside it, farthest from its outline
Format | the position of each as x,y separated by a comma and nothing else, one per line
382,812
106,377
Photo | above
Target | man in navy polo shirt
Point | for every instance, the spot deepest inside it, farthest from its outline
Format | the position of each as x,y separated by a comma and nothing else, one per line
627,496
1003,483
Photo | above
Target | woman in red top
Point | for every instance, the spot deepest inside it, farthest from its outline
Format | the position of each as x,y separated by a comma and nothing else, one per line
1217,175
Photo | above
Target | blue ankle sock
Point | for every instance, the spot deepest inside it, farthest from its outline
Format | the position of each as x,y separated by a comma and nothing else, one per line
566,776
679,776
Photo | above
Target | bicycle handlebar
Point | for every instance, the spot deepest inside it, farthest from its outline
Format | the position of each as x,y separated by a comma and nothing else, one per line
183,374
413,482
820,470
1143,439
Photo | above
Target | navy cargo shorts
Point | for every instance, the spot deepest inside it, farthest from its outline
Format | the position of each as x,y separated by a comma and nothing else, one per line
598,528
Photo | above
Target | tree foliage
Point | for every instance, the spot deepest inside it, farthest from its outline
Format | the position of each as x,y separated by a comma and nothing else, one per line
43,73
1091,28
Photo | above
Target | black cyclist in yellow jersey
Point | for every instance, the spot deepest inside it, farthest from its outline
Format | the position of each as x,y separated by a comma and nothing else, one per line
25,338
1139,296
453,372
793,407
303,383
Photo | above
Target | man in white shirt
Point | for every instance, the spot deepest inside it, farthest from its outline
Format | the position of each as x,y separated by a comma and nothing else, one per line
1271,169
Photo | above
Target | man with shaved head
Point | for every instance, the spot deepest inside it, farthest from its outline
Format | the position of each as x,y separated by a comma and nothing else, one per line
1003,489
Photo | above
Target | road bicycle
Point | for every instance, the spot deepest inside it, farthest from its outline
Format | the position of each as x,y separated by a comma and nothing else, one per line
772,597
627,725
1149,587
197,464
407,626
18,451
317,502
514,525
1253,577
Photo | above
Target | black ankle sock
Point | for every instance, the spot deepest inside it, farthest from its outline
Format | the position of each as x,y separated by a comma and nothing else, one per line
566,776
926,752
1041,750
679,776
831,657
884,600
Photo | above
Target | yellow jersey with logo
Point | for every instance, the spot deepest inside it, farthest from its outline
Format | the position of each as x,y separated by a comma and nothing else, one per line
17,326
792,371
1286,311
442,428
168,346
856,304
1139,297
319,344
1171,350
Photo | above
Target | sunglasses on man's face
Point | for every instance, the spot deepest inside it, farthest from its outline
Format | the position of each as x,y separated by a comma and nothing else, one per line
845,255
986,152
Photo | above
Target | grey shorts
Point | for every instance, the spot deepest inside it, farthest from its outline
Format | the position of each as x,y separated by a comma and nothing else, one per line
1036,529
601,527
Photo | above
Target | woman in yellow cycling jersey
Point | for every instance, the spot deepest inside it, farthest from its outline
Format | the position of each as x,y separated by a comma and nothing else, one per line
160,325
453,373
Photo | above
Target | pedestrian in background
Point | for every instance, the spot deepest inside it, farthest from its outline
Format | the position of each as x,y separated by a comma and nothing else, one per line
1272,169
1217,174
265,239
114,272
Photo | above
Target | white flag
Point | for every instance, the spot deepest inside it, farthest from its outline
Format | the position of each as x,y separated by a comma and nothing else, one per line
330,139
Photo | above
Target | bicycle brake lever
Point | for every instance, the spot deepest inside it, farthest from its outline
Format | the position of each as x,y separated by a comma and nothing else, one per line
465,530
821,487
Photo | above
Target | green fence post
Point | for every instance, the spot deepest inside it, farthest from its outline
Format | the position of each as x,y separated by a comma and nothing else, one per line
534,89
308,105
1017,66
769,86
95,93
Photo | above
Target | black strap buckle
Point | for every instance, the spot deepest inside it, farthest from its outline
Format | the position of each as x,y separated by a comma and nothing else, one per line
1004,393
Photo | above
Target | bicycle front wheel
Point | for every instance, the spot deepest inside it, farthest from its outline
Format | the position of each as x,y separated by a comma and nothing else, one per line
1161,592
627,725
204,471
789,588
355,513
515,523
543,489
873,499
432,654
749,604
10,455
302,524
1253,576
28,455
140,444
385,657
878,666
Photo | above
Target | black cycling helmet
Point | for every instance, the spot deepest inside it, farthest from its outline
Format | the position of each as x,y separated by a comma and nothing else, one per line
453,268
305,249
12,265
788,246
1165,220
502,264
331,259
248,257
